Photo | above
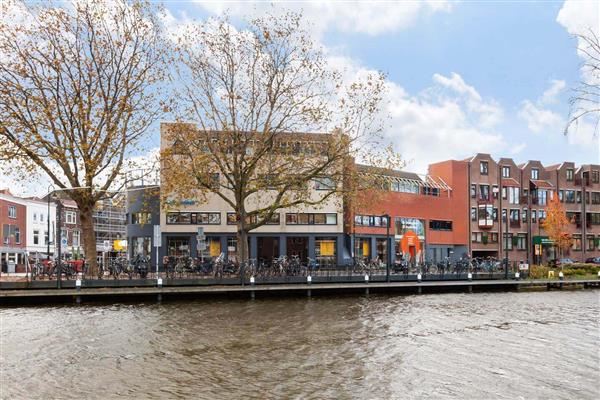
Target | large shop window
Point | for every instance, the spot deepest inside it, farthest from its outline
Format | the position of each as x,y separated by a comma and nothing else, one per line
311,219
381,245
178,247
193,218
362,247
325,250
214,246
141,218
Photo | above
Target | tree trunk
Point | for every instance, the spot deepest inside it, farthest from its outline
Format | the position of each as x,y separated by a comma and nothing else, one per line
242,248
89,238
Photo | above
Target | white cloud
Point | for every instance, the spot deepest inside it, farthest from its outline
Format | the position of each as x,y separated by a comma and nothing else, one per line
371,18
539,119
579,16
433,126
551,94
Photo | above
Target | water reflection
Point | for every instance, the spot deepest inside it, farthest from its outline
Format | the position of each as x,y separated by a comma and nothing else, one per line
496,345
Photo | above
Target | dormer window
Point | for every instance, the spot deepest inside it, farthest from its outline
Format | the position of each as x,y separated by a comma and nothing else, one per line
483,167
506,172
535,173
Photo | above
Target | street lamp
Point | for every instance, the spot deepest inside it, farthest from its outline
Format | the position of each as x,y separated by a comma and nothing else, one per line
388,247
50,192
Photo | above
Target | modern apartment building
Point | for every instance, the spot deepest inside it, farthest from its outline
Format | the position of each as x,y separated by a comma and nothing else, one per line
315,232
508,201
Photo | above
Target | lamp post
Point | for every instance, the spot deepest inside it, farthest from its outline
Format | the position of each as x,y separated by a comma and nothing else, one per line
50,192
388,247
506,246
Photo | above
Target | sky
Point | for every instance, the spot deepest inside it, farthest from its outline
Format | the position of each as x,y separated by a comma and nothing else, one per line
462,77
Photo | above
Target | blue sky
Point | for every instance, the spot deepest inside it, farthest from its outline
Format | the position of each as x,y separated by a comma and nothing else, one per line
465,76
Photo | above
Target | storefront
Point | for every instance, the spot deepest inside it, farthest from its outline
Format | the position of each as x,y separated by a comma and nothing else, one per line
544,249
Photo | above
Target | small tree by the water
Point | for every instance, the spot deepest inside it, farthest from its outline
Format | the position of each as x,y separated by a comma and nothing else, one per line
555,224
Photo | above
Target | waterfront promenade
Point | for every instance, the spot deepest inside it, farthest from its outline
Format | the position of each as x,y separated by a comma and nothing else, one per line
120,290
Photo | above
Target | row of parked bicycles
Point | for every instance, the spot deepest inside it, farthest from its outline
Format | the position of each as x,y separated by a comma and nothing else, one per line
120,267
221,267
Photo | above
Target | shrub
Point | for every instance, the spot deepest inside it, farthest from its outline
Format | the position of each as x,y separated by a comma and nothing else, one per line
538,272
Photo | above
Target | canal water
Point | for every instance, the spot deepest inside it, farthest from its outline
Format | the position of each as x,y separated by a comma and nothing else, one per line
532,345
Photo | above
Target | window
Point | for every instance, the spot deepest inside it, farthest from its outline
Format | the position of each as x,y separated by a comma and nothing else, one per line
508,243
473,214
232,219
324,183
193,218
591,244
76,238
595,176
542,197
46,238
473,191
17,233
513,195
325,249
370,220
533,216
12,212
440,225
506,172
594,218
405,187
569,196
486,215
495,214
576,242
484,192
483,167
178,247
34,216
569,173
141,218
541,215
504,193
41,217
514,215
429,191
311,219
578,197
535,173
595,197
521,241
36,236
524,216
70,217
141,246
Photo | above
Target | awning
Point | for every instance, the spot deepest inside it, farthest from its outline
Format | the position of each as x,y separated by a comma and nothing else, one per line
16,250
542,184
510,182
542,240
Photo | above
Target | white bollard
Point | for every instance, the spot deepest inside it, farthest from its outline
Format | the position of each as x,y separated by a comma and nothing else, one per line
159,282
517,276
470,276
366,278
598,274
78,284
309,279
561,275
419,277
252,280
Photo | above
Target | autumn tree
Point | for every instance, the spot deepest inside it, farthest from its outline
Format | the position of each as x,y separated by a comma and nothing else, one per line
250,94
556,223
79,87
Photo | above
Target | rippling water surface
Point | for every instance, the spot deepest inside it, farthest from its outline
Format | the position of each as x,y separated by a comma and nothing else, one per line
491,345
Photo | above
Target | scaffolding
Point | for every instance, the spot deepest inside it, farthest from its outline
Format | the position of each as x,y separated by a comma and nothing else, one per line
110,221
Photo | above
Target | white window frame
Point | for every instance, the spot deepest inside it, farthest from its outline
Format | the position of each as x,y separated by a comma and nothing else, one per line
12,211
70,217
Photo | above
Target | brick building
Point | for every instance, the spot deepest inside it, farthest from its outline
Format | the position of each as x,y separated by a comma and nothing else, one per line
424,212
13,219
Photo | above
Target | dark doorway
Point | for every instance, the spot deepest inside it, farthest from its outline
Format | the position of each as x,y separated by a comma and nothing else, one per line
297,246
268,248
